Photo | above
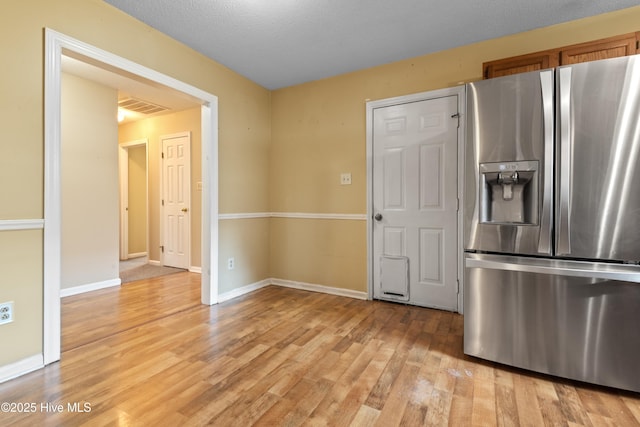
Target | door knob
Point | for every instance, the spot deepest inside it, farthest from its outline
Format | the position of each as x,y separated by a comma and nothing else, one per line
184,209
378,217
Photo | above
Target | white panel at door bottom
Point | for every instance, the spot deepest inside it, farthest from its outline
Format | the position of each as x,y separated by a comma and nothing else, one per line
394,277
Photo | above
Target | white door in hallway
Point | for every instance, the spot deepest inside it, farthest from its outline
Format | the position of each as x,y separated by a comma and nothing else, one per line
415,202
176,186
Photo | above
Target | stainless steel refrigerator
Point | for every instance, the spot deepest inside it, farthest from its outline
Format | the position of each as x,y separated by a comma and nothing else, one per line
552,221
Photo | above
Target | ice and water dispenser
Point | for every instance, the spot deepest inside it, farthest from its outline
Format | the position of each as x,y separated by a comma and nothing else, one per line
509,193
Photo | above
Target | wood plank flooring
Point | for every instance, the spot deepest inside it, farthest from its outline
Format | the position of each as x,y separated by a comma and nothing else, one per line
149,354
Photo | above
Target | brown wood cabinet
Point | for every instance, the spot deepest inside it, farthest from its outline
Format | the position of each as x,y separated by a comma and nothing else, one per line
520,64
612,47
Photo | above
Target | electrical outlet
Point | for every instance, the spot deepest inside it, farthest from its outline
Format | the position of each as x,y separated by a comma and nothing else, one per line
345,178
231,263
6,312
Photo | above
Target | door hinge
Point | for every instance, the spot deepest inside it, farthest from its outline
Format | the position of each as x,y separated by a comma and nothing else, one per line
162,154
162,248
456,116
162,202
457,205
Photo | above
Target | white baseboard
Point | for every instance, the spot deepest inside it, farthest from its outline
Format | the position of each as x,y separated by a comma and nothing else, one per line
296,215
192,269
234,292
292,284
66,292
243,290
320,288
21,367
136,255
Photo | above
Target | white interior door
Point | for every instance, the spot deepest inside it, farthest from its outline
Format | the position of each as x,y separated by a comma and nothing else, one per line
176,184
415,202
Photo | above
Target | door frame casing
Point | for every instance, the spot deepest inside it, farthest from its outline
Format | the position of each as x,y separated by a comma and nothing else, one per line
56,46
460,92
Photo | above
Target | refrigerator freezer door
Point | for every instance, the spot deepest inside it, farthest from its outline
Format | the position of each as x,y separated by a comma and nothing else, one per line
598,167
509,164
566,318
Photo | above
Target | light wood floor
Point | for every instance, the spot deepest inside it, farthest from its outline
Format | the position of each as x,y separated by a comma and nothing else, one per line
148,354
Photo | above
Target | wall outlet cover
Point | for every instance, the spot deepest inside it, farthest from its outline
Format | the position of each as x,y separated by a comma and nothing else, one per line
345,178
6,312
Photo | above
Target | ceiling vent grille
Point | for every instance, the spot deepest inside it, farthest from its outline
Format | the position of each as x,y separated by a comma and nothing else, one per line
140,106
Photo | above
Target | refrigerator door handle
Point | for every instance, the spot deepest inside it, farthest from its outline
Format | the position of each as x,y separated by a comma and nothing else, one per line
564,172
546,85
620,272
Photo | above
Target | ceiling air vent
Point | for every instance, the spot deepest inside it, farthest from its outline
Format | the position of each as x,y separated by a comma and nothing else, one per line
140,106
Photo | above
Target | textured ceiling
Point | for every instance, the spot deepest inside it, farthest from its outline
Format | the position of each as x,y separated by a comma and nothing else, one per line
279,43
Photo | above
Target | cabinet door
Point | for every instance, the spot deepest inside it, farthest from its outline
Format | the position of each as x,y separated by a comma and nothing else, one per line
611,47
521,64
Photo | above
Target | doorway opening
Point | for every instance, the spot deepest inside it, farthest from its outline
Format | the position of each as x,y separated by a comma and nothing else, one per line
133,163
135,263
58,45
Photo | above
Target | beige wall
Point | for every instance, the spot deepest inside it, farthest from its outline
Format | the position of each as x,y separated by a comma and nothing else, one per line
89,182
319,131
325,252
244,127
244,240
23,337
